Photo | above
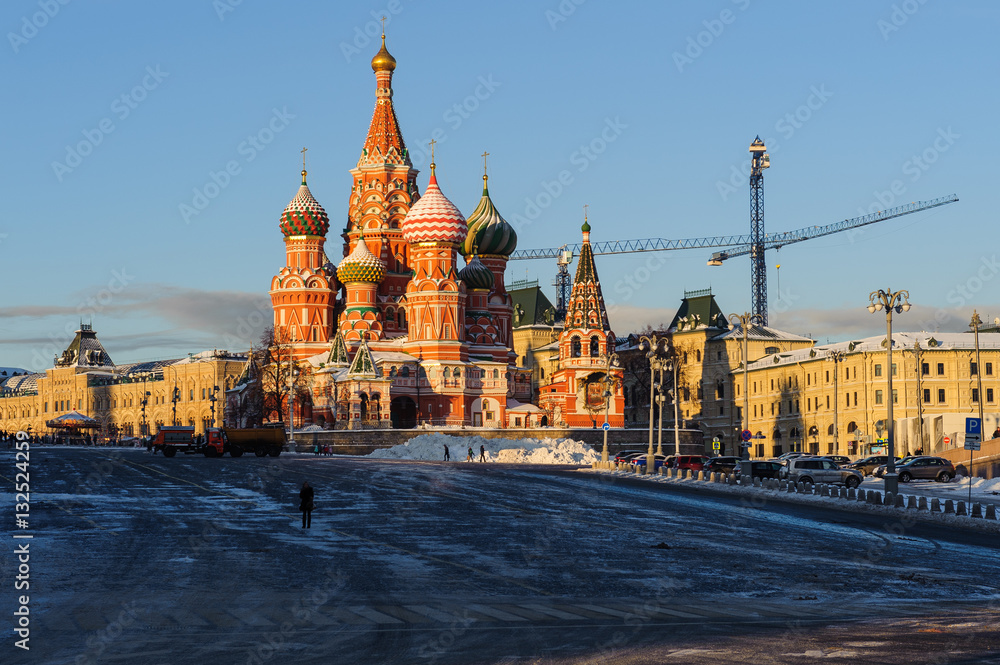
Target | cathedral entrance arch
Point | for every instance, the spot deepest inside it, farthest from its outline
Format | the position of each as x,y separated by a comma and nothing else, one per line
484,412
403,413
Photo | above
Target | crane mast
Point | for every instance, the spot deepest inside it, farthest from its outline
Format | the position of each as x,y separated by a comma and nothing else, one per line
759,160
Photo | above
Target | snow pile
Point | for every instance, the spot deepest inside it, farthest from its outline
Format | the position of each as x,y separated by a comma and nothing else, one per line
980,485
505,451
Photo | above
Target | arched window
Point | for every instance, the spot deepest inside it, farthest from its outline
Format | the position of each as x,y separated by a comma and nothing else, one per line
496,374
404,371
392,372
457,373
401,316
595,346
829,430
575,351
697,356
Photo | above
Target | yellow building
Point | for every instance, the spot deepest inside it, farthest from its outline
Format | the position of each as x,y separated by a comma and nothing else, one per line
187,391
795,396
535,333
708,350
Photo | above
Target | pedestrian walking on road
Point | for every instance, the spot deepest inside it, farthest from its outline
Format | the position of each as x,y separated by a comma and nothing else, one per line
469,458
447,455
482,453
306,505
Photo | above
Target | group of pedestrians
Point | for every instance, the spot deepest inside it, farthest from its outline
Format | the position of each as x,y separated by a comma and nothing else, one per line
325,449
471,457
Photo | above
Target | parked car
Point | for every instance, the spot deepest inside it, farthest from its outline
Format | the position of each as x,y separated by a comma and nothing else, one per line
880,470
626,455
759,468
724,464
693,462
791,455
839,459
642,460
815,470
929,468
867,465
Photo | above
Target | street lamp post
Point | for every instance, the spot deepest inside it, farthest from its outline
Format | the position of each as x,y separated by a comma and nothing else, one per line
145,401
291,404
176,397
653,344
674,395
745,321
661,397
212,399
609,383
920,397
976,322
836,357
899,302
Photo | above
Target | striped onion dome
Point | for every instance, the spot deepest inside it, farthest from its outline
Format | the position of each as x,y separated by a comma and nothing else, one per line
433,218
476,275
361,266
304,216
488,231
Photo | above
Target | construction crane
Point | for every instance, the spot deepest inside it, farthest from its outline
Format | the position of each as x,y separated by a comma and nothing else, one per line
759,160
735,245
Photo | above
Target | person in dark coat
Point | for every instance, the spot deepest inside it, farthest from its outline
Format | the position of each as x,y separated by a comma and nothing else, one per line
306,504
482,453
447,455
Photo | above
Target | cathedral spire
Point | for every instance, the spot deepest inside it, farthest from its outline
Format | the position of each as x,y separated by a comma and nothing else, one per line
384,143
586,306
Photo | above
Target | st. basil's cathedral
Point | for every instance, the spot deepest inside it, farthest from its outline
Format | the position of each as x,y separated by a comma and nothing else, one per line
397,334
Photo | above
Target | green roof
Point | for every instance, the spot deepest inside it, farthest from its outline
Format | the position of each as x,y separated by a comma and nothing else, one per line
530,305
699,307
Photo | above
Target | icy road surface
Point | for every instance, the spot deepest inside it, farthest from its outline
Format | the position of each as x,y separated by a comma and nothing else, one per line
141,559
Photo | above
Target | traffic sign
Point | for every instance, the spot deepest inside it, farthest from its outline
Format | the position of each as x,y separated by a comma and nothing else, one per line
716,444
973,426
747,435
606,426
947,440
973,444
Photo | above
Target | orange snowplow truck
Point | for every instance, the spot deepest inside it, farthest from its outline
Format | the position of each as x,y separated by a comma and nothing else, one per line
172,439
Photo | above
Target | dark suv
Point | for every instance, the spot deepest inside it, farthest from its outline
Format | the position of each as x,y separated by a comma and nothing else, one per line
930,468
721,465
759,468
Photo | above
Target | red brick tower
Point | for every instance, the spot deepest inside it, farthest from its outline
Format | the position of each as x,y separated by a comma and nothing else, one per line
303,293
383,190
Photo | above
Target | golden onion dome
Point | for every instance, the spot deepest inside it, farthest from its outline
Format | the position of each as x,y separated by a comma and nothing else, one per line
383,60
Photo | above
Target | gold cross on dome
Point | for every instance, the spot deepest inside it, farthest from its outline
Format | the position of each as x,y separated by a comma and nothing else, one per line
303,151
431,144
585,211
485,155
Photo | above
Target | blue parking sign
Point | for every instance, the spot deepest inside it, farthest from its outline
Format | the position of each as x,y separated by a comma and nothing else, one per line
973,426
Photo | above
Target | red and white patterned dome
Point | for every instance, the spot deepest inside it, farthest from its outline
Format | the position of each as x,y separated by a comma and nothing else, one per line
434,218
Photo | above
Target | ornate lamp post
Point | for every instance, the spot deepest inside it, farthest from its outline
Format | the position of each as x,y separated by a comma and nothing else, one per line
675,396
653,345
611,362
836,357
661,397
291,404
212,399
899,302
145,401
175,398
745,321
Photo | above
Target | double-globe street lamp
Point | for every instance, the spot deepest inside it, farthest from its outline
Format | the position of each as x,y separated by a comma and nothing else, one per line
836,357
899,302
611,362
745,321
652,344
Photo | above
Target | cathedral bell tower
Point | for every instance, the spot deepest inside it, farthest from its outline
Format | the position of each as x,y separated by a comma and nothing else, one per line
303,293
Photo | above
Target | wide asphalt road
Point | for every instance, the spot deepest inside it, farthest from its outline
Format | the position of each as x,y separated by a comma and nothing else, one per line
141,559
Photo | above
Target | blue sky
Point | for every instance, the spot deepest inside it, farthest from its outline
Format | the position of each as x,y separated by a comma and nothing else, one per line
119,113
